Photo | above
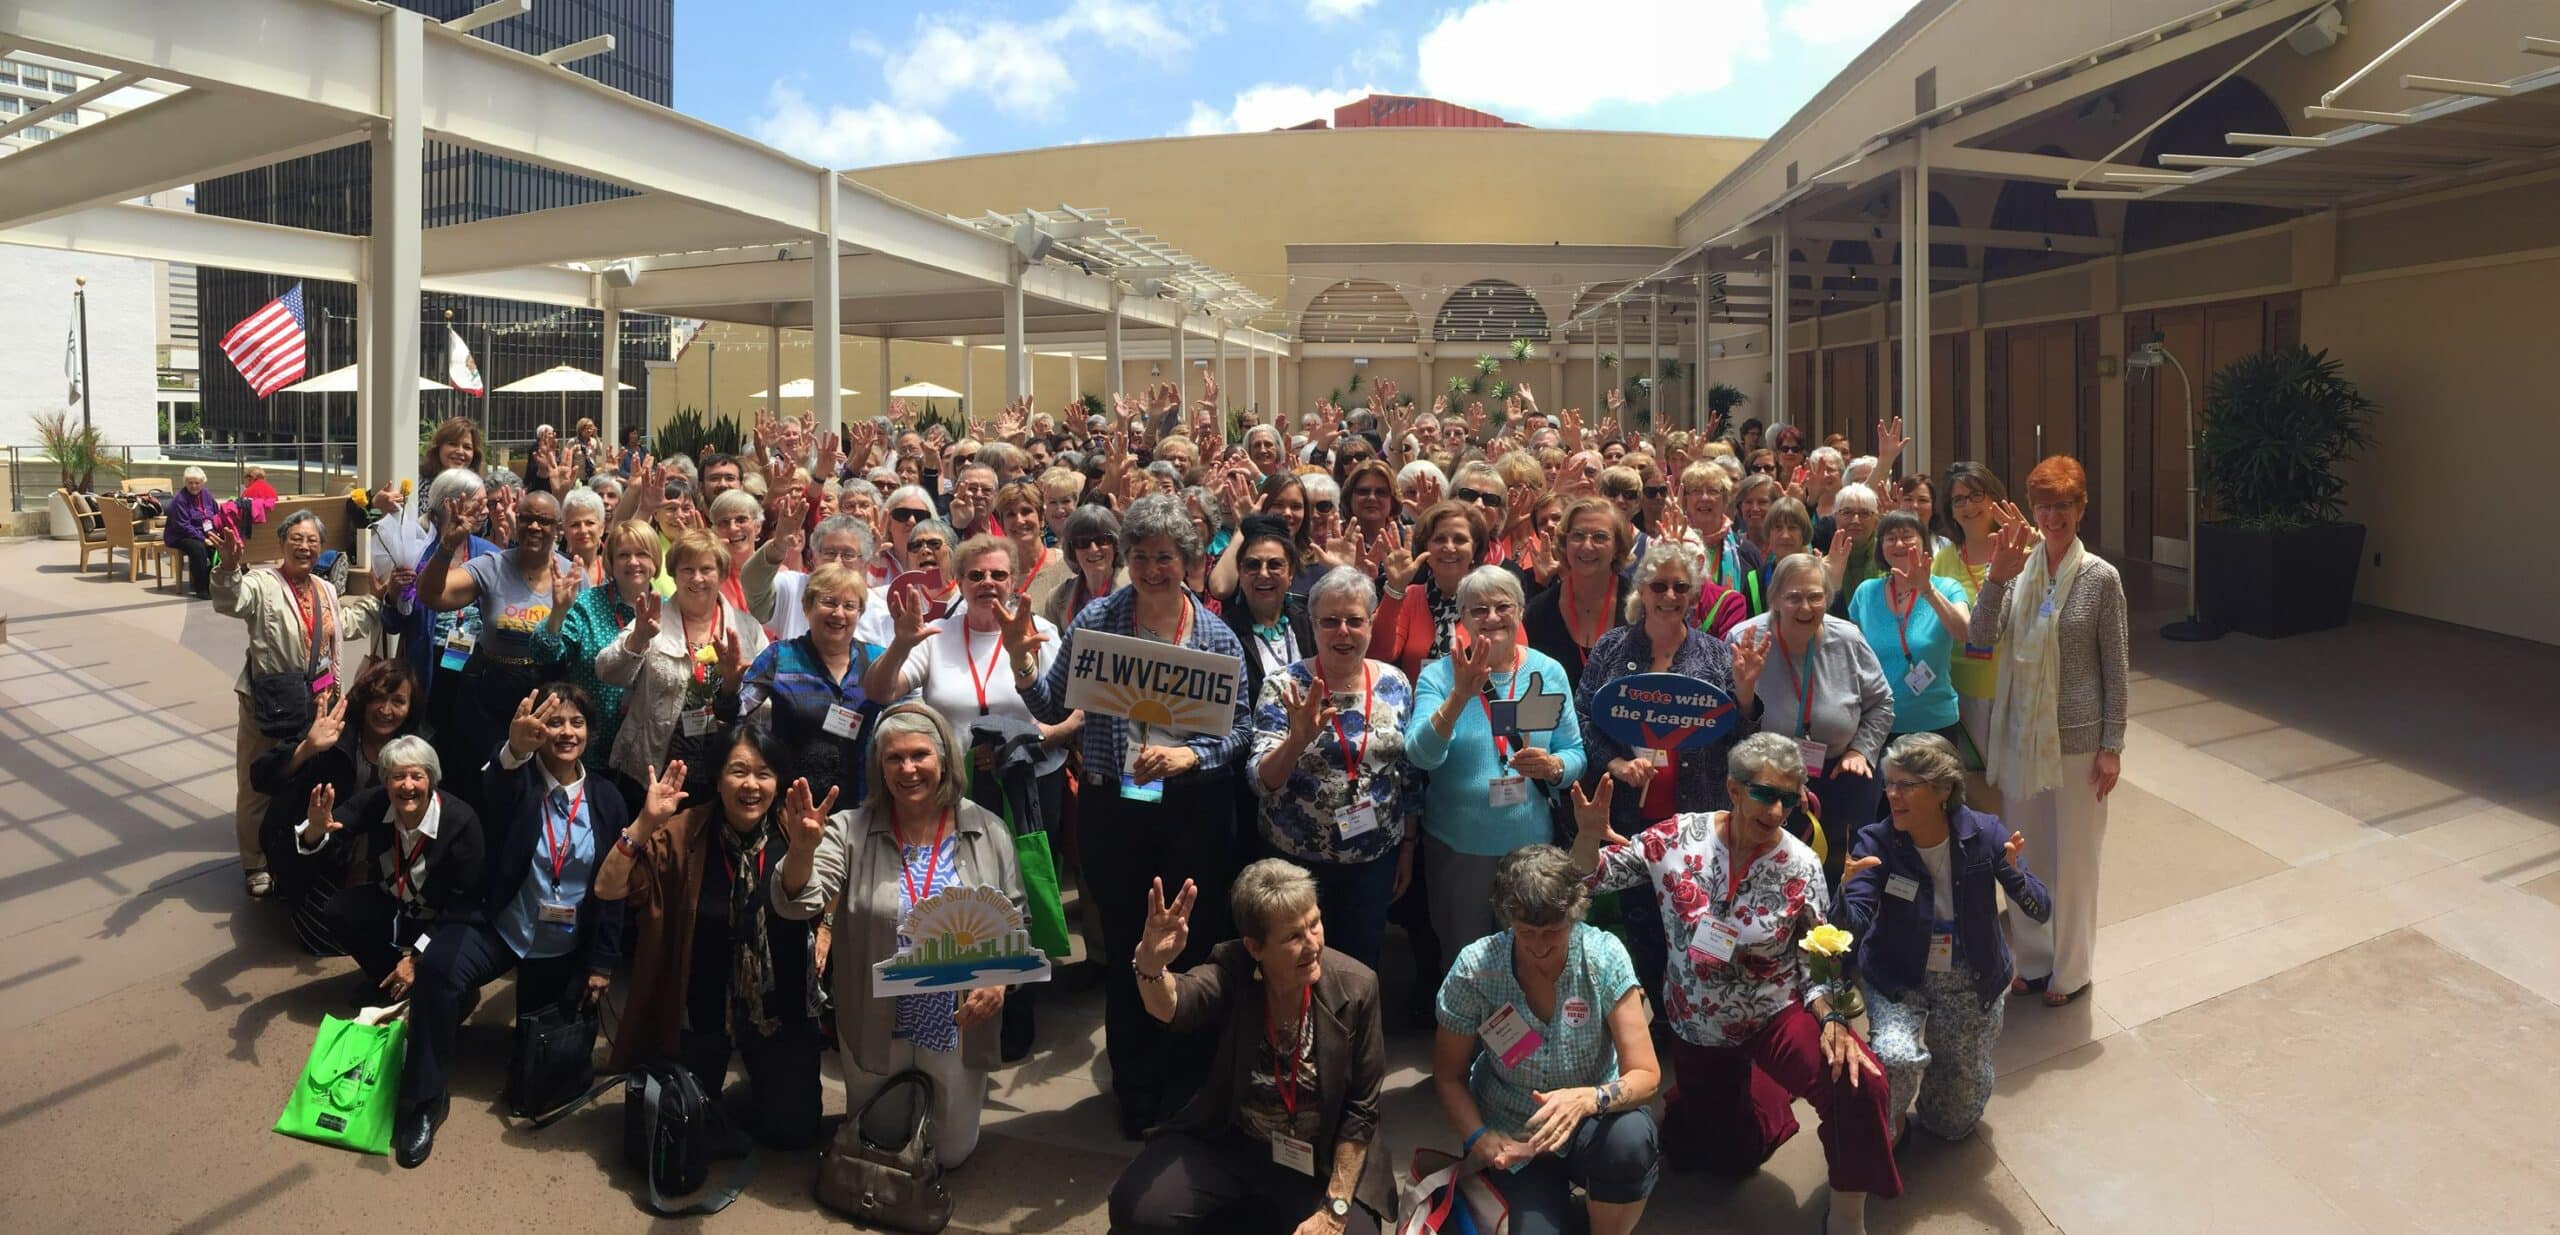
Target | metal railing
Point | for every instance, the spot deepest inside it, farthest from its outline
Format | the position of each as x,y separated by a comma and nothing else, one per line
295,468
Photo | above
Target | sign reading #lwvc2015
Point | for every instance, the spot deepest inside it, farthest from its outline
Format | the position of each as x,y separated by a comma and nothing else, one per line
1153,683
1663,711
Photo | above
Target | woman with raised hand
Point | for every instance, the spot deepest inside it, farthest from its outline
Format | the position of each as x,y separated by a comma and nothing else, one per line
1589,595
523,596
1335,793
1543,1062
341,750
717,969
1490,774
1751,1030
416,856
1826,693
1039,569
1418,582
297,623
1971,517
1923,900
675,666
1284,1136
809,687
600,614
1157,802
1726,558
2057,614
914,835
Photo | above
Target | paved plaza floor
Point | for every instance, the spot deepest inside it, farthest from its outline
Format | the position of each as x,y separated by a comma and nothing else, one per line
2326,976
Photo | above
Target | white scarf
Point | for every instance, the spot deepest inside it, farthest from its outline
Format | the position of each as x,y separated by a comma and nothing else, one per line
2025,754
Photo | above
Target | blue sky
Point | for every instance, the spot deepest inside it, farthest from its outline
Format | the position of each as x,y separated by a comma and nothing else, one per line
854,84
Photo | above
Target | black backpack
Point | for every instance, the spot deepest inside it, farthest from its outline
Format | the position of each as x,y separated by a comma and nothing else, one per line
666,1127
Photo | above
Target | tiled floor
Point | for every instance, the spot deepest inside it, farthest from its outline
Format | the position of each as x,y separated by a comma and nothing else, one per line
2328,990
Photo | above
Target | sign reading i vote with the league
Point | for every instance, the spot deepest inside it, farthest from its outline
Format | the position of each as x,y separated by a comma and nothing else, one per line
1663,711
1160,684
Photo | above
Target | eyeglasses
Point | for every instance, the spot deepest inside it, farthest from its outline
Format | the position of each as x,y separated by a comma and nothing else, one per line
840,554
1895,785
530,522
1357,622
1320,508
1858,513
909,516
1589,538
1771,795
1500,609
1669,587
987,576
1657,491
1968,499
1480,497
1265,566
920,543
1621,495
1374,492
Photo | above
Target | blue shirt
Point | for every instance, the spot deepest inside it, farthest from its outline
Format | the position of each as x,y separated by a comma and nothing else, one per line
1574,1049
1303,819
1930,644
1457,809
926,1019
520,923
793,677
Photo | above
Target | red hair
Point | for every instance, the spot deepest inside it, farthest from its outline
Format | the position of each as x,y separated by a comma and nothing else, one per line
2058,479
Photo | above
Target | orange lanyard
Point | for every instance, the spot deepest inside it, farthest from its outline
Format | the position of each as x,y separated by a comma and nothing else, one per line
1022,586
559,845
970,658
1351,763
932,861
1901,617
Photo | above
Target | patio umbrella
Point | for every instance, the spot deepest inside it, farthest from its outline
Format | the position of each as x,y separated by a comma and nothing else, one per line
801,388
563,380
343,381
924,390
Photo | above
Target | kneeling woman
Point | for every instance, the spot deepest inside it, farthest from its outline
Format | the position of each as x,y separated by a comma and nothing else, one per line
1282,1138
915,836
1557,1093
715,966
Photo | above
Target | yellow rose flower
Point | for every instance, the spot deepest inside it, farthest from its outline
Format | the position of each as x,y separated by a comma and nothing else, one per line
407,484
1826,940
706,654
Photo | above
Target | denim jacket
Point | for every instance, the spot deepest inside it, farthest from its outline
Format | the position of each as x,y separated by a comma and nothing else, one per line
1893,933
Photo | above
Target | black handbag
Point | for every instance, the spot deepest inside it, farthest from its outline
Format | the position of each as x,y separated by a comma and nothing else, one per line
553,1060
666,1133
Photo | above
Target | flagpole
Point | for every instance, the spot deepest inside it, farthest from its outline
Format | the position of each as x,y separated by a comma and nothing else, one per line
80,302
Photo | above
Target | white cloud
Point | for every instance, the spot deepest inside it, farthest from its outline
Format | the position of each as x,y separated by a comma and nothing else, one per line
864,43
1019,65
1271,107
1126,25
849,137
1381,58
1623,51
1853,22
1336,10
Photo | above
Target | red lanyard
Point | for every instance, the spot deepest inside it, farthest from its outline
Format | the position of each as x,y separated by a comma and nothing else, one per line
1901,618
559,845
1502,745
1022,586
1351,764
1181,626
1803,685
1599,619
977,677
932,860
400,873
1286,1079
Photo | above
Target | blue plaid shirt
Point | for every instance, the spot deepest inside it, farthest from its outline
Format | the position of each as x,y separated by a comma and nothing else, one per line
1574,1050
1106,738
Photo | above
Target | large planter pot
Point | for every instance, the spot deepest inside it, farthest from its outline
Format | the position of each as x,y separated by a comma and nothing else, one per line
61,523
2274,584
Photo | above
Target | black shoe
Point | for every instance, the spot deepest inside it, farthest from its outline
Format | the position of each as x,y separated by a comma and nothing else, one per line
413,1137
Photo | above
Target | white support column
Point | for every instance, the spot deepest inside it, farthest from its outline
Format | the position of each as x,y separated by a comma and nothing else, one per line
1618,348
773,372
609,363
1653,360
1182,366
1113,376
1226,384
1781,301
968,375
1017,364
1556,348
1914,407
1246,387
1699,374
389,433
826,314
1276,406
885,384
1422,358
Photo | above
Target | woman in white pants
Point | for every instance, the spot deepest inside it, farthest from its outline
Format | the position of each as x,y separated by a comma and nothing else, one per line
2057,722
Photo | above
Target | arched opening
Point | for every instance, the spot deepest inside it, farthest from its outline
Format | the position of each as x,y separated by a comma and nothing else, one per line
1359,311
1490,311
2235,106
2030,207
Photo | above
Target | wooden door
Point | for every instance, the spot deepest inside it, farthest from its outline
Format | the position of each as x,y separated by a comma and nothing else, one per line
1800,392
1849,392
2043,398
2204,338
1950,384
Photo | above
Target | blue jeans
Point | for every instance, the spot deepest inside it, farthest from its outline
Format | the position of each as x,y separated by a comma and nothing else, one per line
1353,898
1616,1158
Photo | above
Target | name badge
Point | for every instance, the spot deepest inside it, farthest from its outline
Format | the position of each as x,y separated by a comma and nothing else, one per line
699,722
1510,790
1358,820
1942,951
843,721
1507,1034
1658,758
1920,677
1577,1012
1714,941
457,649
1901,887
1815,755
2045,610
556,915
1295,1154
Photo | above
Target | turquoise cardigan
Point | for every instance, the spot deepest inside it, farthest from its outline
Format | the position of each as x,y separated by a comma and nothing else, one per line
1455,809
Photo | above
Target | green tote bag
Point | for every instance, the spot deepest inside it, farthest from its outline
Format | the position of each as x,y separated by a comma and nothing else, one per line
1044,912
349,1088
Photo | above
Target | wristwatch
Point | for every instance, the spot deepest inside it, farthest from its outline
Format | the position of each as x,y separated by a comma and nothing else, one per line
1339,1207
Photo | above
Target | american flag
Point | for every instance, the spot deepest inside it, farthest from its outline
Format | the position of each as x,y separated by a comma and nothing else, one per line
267,345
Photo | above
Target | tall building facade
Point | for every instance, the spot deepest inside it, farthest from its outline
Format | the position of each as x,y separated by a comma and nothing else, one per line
332,191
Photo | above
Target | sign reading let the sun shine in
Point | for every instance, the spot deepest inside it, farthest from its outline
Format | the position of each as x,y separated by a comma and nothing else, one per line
1153,683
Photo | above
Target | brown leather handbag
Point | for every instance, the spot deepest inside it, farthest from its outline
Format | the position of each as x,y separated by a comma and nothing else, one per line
898,1187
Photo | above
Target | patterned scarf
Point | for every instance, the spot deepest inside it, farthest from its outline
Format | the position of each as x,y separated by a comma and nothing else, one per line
751,966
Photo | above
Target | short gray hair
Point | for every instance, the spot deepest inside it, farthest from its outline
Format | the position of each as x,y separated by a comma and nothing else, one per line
1794,564
938,528
735,501
1411,472
1478,474
1486,582
297,519
1269,892
1765,752
410,751
857,485
1320,488
1536,885
1343,582
1855,494
1933,760
839,525
1819,453
903,492
1662,552
1159,515
451,483
193,473
1091,519
582,502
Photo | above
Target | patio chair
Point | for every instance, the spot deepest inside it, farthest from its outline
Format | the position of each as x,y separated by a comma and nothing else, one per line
122,534
93,526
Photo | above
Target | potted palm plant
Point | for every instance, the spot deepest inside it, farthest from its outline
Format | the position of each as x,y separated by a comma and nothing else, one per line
2277,556
78,452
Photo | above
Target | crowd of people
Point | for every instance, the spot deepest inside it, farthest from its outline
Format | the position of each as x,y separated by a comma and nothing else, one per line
702,730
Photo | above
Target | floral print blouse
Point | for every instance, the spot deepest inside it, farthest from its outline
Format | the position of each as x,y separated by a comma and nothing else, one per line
1723,1003
1301,819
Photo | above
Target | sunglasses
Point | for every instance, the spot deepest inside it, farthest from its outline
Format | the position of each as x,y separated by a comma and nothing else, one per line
1771,795
1265,566
1657,491
988,576
1093,542
1481,497
919,545
1669,587
1320,508
909,516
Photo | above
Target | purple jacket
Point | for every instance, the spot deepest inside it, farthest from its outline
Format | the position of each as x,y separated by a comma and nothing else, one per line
188,515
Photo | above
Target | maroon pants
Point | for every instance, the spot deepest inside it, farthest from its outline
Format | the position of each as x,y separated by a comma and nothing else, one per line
1733,1107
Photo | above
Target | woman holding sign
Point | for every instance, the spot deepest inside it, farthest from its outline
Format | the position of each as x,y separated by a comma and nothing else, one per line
1489,723
1825,692
1657,782
914,836
1158,802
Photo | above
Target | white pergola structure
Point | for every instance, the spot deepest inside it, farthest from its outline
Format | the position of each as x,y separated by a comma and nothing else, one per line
715,225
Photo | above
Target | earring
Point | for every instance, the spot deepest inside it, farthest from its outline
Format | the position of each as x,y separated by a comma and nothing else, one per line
1257,972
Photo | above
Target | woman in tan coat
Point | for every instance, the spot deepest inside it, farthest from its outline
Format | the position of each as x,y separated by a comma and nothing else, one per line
916,835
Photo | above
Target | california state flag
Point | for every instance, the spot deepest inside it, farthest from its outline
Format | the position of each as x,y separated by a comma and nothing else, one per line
459,369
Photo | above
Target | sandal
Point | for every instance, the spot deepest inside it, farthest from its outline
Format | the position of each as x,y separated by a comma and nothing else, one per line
2058,999
260,884
2027,986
